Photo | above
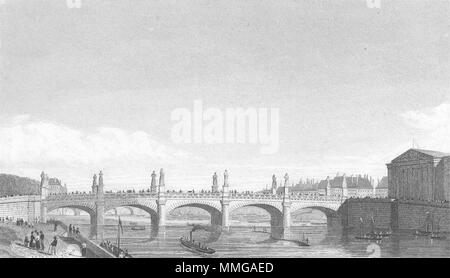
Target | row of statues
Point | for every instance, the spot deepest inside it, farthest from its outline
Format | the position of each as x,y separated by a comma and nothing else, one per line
161,182
274,180
225,178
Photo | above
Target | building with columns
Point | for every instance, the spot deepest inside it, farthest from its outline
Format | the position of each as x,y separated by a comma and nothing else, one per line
420,175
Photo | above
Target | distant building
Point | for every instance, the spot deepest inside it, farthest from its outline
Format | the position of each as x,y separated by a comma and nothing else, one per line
347,186
381,190
308,186
420,175
55,186
340,185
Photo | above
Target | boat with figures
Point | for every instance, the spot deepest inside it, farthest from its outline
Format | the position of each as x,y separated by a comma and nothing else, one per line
438,236
304,241
385,233
427,227
138,228
198,247
436,233
372,235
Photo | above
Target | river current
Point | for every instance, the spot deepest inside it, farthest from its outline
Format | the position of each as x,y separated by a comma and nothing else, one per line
241,240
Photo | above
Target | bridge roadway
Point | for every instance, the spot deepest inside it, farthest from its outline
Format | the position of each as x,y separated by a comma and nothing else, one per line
218,205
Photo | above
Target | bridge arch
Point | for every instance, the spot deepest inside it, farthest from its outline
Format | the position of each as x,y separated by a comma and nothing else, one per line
212,207
274,209
149,207
330,210
86,207
128,208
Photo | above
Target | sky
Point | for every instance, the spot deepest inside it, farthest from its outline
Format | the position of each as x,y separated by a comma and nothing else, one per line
94,87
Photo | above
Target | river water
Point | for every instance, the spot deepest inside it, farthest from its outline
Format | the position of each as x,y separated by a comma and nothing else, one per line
242,241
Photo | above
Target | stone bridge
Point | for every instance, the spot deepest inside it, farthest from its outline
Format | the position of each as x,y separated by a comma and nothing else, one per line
218,204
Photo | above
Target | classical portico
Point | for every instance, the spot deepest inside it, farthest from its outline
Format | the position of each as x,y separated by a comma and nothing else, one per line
419,175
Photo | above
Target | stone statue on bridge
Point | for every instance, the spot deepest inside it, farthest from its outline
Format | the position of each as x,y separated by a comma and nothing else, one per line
274,181
100,178
215,179
94,184
153,183
161,177
225,178
215,185
286,180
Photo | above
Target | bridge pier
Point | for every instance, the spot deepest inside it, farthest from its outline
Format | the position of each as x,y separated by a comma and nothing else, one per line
99,219
93,226
286,206
216,218
225,214
286,215
161,213
43,218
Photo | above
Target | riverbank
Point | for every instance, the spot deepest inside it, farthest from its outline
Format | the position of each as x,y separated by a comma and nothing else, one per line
10,233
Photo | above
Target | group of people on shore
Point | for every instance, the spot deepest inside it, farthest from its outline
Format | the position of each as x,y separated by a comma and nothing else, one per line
36,241
22,223
5,219
118,252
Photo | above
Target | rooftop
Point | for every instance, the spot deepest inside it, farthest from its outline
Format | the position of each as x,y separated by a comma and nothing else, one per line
432,153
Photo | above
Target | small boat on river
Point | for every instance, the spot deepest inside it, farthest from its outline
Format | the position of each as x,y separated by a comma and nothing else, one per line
190,244
372,235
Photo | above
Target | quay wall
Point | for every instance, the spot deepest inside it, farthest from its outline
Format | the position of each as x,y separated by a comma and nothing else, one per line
25,207
353,210
412,215
393,214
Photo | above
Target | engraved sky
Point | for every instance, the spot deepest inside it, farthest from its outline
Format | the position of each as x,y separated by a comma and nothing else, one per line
93,88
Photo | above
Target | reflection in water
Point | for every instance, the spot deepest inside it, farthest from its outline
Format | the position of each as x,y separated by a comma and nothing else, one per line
242,241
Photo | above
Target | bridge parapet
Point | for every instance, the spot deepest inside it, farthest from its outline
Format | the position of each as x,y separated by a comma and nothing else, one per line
241,196
317,198
60,197
119,195
191,195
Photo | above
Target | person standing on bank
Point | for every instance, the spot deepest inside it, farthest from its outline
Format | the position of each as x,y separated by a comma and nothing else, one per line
83,249
41,237
53,245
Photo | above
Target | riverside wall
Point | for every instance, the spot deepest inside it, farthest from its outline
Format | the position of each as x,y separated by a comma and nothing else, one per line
393,214
26,207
